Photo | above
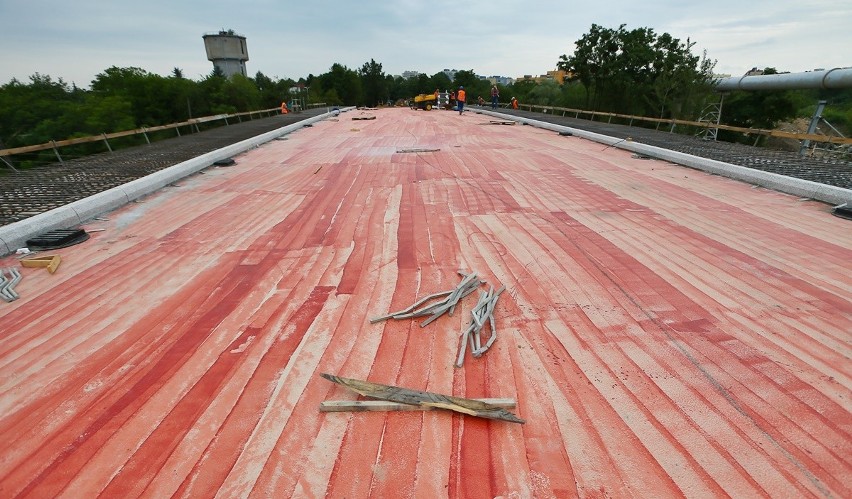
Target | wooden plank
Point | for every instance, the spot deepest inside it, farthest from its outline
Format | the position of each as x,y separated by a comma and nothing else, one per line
384,405
50,261
471,407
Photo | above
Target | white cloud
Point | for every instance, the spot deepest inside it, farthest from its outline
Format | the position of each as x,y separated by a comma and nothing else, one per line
77,40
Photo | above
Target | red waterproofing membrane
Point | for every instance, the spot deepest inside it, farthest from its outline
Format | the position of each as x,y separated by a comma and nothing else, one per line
665,332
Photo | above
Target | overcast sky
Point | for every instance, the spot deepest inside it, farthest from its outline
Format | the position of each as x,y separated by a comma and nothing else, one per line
77,39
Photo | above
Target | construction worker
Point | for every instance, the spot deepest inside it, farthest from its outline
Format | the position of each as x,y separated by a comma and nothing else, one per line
495,94
514,103
460,98
284,109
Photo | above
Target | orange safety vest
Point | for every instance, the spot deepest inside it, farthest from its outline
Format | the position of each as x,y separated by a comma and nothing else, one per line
284,109
515,104
461,95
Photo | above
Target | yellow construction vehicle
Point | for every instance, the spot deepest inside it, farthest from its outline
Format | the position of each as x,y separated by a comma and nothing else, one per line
424,101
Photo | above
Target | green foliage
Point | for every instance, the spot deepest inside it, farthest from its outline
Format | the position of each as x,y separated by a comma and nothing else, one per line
547,93
638,72
340,86
841,119
123,99
438,81
242,94
573,95
763,109
627,71
520,90
838,111
39,112
111,113
272,92
373,83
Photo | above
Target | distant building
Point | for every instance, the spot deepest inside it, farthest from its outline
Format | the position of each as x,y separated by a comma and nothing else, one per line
407,75
451,73
557,75
227,51
500,80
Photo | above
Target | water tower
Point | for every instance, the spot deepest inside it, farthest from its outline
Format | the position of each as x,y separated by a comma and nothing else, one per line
227,51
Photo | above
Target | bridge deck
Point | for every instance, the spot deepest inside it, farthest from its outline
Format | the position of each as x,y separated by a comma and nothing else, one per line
664,331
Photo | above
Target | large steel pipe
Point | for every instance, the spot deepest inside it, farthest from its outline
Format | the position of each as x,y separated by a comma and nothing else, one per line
831,78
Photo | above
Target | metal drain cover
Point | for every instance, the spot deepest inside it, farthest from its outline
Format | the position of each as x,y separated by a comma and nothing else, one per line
59,238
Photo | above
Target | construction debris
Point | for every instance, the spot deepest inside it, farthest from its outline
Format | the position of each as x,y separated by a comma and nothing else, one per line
482,312
7,286
384,405
415,150
50,261
468,285
471,407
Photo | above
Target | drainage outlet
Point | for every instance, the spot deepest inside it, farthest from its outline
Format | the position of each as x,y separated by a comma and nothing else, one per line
843,211
59,238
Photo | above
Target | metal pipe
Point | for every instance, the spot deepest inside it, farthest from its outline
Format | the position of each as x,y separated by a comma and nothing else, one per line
831,78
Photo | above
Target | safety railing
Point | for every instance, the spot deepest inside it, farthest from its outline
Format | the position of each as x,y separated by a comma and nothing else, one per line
144,131
675,122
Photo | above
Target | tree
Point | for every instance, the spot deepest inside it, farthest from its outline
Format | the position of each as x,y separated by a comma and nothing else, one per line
146,93
637,71
36,112
240,94
520,90
438,80
373,82
593,61
546,93
345,84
